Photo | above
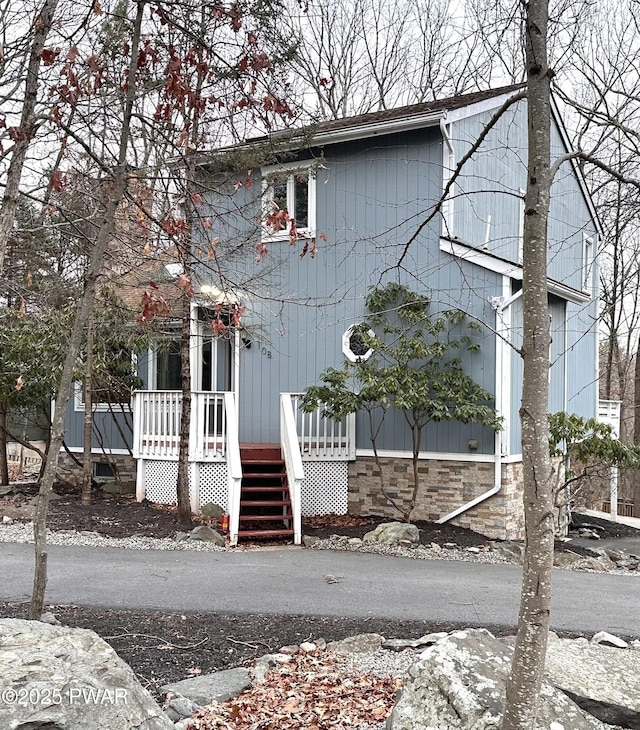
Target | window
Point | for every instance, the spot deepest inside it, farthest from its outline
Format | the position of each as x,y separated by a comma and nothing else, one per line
114,378
168,366
521,227
587,263
288,202
354,344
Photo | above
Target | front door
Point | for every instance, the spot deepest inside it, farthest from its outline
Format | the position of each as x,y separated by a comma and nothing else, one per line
215,366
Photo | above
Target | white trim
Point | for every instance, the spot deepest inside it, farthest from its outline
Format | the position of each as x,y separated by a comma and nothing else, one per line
448,167
479,107
290,169
350,134
503,368
512,459
577,171
506,268
522,193
79,405
429,455
346,345
588,263
102,452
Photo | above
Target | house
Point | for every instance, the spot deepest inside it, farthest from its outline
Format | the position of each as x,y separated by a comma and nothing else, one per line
360,190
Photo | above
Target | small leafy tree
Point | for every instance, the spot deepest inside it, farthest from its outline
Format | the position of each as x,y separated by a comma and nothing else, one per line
31,353
415,368
584,446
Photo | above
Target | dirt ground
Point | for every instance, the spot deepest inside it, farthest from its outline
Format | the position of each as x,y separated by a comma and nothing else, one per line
165,647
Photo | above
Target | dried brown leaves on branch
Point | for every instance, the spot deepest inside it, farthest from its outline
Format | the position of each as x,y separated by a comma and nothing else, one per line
312,691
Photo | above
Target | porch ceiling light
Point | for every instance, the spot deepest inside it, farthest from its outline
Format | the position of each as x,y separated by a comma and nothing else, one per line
353,346
212,293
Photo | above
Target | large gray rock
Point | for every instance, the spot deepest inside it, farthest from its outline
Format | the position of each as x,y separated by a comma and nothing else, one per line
509,550
211,509
208,688
204,533
60,678
358,644
393,533
459,683
603,680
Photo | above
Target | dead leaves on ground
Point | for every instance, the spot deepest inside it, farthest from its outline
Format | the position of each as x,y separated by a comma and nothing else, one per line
313,691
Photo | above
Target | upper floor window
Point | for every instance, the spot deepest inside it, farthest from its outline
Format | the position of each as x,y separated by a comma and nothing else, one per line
288,202
587,264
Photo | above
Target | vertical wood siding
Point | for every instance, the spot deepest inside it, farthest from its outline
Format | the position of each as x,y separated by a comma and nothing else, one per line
371,195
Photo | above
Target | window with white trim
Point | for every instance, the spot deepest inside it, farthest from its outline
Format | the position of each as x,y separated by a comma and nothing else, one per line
587,263
521,227
112,384
288,201
354,344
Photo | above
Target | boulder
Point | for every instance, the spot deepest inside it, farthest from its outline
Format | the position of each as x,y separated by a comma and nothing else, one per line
211,509
604,637
459,683
422,642
62,678
566,559
512,551
180,707
357,644
204,533
394,533
603,680
208,688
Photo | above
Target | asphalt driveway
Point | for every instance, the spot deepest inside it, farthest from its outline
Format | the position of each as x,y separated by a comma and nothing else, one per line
292,581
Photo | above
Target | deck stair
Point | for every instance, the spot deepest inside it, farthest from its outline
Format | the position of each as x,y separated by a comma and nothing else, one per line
265,504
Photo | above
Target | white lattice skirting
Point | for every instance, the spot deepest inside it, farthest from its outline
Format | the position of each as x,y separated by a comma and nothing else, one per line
207,483
325,488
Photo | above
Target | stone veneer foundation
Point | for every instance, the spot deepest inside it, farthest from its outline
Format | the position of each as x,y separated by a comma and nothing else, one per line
444,486
124,464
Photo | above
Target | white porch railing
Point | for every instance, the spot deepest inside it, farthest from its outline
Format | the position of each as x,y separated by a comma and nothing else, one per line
320,438
156,425
234,467
293,462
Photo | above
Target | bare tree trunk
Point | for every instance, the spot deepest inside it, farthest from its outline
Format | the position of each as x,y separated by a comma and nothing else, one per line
636,429
4,464
523,688
83,314
43,24
182,487
87,437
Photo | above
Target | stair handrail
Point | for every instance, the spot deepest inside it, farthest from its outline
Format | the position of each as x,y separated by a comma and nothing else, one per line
293,462
234,466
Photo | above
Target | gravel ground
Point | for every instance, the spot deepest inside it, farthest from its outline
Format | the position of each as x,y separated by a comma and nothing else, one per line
23,533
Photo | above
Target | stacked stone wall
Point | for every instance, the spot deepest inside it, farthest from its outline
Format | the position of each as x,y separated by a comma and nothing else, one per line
123,464
444,486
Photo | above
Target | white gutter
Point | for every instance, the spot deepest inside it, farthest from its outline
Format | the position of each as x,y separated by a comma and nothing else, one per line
286,140
500,305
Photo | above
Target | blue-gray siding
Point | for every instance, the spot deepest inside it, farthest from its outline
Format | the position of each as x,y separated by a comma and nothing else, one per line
371,196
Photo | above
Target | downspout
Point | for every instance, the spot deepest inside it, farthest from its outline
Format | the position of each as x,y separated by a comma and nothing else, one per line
448,165
499,304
